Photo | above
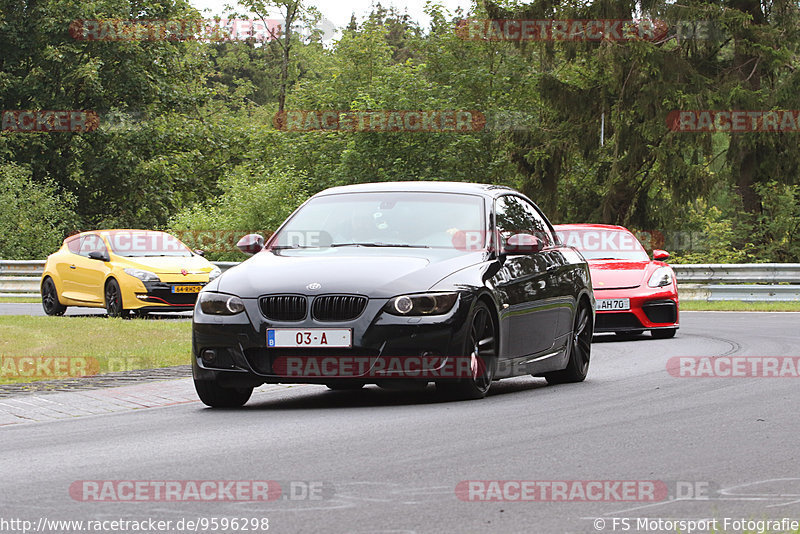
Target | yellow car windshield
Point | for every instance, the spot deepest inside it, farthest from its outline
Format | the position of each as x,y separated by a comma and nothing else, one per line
146,244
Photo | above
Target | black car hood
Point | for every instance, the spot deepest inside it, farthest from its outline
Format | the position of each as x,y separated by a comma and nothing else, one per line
374,272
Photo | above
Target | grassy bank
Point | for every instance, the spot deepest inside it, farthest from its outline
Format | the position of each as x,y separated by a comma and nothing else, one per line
61,347
740,306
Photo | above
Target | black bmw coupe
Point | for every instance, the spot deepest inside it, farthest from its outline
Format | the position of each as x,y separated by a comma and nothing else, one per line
397,284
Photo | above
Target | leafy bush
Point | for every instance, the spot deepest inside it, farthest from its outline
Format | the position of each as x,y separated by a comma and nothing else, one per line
34,217
255,200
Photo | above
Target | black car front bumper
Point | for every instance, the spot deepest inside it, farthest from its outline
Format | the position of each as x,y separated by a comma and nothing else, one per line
241,357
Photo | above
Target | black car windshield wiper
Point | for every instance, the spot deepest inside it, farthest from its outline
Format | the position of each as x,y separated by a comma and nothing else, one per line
290,247
378,244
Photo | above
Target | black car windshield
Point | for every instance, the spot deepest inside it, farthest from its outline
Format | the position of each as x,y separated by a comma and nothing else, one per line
138,244
386,219
604,244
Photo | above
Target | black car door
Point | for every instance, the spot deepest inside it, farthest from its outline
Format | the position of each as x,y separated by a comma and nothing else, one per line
527,283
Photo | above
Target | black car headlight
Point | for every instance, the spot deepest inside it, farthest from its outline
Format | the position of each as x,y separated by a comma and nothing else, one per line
421,304
219,304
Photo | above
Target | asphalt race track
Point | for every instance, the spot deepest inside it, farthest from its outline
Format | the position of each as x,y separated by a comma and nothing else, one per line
389,461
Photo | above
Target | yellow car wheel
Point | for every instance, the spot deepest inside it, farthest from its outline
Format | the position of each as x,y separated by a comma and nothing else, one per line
50,301
114,306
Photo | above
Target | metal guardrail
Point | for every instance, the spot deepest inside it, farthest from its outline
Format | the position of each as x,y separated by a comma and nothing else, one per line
749,282
21,267
21,278
743,292
738,273
723,281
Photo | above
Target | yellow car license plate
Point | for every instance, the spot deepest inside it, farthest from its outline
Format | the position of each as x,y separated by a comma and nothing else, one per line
186,289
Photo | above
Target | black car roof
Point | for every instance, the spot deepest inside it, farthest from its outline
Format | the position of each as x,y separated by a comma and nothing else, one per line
429,186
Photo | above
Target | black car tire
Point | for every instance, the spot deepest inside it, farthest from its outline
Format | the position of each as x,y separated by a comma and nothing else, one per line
580,349
50,303
216,396
114,305
481,345
664,333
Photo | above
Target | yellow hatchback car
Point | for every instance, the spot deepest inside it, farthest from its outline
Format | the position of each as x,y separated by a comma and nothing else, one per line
123,271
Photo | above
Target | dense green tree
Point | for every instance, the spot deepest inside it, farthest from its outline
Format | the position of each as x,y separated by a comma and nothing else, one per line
187,128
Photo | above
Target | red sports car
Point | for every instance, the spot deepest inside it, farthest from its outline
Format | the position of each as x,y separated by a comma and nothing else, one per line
633,292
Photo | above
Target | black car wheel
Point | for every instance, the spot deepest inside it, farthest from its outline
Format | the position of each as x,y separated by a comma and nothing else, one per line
664,333
216,396
114,306
482,350
580,349
50,301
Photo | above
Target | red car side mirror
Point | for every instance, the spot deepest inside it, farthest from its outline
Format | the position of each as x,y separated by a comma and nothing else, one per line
659,254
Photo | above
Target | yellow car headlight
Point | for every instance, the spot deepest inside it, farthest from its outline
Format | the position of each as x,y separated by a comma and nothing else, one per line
144,276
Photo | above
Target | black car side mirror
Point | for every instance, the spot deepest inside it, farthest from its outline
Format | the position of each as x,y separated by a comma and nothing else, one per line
522,244
251,244
97,255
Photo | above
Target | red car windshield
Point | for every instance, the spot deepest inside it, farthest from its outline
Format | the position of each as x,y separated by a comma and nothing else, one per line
604,244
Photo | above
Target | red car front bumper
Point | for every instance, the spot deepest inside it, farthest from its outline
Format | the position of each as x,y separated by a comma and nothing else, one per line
650,309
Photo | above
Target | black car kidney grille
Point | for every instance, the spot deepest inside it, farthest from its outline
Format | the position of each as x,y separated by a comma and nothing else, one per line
284,307
338,307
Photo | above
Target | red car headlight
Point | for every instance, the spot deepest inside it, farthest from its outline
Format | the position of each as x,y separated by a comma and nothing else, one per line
661,277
